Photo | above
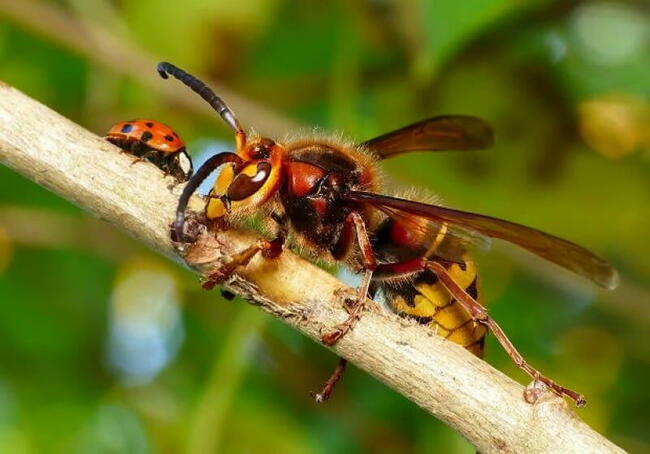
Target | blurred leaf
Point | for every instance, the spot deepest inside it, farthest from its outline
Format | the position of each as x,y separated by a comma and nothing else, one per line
112,430
209,423
259,427
203,28
15,441
449,25
6,249
305,47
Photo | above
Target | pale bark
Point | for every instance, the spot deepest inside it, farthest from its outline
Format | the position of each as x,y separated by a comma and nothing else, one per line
484,405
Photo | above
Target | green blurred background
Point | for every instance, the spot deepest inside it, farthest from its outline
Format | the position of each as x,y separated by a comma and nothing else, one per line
107,348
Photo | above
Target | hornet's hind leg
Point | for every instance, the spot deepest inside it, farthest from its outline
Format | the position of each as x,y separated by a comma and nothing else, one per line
480,315
355,309
331,382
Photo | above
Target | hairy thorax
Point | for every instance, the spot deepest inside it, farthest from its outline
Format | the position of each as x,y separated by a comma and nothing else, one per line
317,174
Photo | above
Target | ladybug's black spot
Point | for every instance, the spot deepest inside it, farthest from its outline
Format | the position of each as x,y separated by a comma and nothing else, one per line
149,124
169,138
127,128
146,136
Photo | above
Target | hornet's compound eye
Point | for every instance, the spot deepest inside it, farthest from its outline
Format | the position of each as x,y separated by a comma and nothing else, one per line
244,185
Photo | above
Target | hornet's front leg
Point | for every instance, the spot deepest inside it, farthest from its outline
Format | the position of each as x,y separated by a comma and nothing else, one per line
268,249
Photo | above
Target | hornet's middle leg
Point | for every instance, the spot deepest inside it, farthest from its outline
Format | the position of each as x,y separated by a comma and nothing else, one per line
369,264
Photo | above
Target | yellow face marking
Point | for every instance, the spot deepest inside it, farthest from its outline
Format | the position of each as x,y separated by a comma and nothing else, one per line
215,208
224,180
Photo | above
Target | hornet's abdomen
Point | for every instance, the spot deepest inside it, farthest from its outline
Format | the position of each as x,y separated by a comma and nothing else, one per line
429,302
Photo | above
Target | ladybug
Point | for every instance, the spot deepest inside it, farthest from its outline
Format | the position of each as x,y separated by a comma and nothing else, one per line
156,142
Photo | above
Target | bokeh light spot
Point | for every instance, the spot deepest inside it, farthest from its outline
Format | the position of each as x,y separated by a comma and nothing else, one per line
609,33
145,330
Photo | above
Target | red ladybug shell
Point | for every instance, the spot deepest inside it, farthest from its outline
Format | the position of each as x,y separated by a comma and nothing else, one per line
154,134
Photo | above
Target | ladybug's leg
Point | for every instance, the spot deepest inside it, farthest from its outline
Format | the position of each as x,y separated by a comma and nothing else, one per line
359,303
480,314
268,249
132,147
144,156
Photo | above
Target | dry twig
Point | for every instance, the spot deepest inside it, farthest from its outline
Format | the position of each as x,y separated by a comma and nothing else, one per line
484,405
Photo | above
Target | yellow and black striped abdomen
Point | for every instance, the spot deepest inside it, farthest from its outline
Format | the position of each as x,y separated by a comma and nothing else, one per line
429,302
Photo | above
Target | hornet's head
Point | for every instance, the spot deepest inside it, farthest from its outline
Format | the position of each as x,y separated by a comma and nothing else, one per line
250,177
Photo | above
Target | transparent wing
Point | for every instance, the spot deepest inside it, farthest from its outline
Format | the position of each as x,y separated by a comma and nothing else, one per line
449,132
442,239
561,252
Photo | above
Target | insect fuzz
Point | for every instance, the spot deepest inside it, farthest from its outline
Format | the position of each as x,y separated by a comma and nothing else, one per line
297,185
324,193
155,142
297,189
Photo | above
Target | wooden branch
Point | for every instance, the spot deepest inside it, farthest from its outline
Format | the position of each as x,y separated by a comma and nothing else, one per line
484,405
